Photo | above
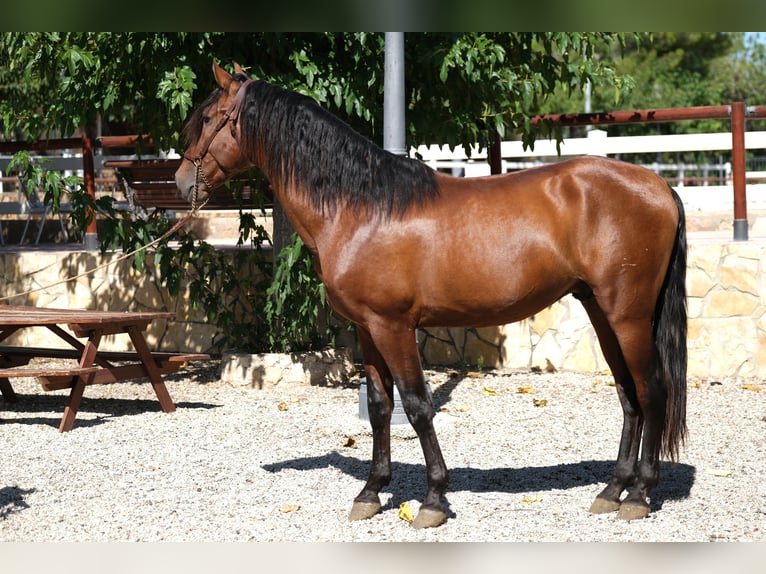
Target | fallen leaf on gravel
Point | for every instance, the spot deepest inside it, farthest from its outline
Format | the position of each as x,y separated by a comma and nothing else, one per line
525,390
549,367
723,472
539,402
405,512
489,392
529,499
350,442
756,388
463,408
290,508
282,406
474,374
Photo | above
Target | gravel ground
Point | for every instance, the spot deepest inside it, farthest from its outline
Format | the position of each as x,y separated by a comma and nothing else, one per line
527,452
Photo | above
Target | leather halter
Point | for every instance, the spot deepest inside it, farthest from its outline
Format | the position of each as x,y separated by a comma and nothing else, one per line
230,115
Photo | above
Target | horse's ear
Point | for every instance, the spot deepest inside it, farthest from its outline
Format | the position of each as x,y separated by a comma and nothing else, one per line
239,70
222,77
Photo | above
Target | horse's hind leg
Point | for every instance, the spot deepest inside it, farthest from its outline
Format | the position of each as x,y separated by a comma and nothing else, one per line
630,439
652,397
379,407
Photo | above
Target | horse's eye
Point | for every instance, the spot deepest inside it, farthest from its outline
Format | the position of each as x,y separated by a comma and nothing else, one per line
205,119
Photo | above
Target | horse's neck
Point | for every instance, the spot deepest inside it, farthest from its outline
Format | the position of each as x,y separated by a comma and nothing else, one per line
308,223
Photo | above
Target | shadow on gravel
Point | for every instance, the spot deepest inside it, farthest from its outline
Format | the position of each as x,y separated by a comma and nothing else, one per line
107,408
12,500
408,480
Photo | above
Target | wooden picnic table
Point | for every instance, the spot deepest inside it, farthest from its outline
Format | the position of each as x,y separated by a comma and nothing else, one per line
94,366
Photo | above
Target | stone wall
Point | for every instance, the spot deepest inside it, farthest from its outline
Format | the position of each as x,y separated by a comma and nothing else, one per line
727,327
725,281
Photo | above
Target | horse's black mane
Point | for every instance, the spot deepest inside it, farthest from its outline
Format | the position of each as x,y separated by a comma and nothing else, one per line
305,145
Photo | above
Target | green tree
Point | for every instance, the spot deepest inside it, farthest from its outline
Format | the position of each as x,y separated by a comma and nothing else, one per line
742,75
669,70
461,85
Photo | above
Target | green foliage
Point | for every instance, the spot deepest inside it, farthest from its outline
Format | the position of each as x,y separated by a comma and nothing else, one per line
296,309
229,286
465,87
673,69
741,74
176,89
33,177
59,82
462,86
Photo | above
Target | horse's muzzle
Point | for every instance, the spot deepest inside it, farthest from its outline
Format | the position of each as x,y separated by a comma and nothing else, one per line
184,178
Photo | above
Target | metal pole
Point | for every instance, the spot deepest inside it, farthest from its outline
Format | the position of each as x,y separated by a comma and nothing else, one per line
393,94
738,170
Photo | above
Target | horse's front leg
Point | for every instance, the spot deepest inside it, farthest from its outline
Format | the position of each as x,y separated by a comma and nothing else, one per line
419,408
398,346
379,407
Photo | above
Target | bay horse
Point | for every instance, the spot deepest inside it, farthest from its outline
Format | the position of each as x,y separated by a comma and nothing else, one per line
400,246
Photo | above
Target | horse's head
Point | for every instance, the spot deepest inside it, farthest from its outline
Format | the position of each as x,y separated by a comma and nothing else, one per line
213,154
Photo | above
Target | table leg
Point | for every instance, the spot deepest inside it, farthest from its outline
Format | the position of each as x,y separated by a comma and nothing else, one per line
75,395
5,385
139,343
7,390
72,404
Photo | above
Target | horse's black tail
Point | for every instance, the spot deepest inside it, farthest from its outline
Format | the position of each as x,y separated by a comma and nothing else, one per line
670,340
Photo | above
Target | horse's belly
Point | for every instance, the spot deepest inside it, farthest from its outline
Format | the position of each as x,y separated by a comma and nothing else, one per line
486,303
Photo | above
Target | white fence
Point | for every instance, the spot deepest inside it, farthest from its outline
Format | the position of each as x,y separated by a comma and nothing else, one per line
712,191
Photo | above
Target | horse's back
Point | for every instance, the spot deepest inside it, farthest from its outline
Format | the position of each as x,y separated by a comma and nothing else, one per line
602,181
585,197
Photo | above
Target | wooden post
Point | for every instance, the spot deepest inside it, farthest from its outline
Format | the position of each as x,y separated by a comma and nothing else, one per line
90,241
738,170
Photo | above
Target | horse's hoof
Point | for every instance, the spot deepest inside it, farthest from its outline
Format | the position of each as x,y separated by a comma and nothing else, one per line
603,505
428,518
633,511
363,510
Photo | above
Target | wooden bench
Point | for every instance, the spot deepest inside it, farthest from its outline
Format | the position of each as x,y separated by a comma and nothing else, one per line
51,378
150,183
14,360
94,366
